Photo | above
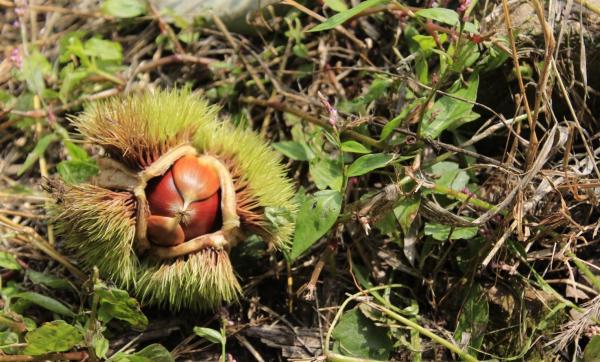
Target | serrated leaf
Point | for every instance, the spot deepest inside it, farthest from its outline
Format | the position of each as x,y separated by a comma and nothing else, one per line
441,15
441,232
124,8
116,303
55,336
210,334
344,16
37,152
316,216
368,163
292,150
9,261
357,336
354,147
45,302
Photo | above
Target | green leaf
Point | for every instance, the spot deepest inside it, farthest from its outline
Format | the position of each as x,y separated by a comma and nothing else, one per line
45,302
100,344
354,147
8,338
406,211
210,334
55,336
441,232
9,261
116,303
317,214
75,152
591,353
449,175
104,49
48,280
473,319
344,16
357,336
124,8
368,163
448,111
71,77
35,67
76,171
337,5
37,152
153,353
441,15
292,150
327,173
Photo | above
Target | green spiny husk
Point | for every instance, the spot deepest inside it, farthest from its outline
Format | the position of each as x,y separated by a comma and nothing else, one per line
98,225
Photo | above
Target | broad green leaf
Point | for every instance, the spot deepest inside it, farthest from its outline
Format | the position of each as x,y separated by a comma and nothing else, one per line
210,334
344,16
55,336
9,261
316,216
37,152
292,150
71,77
124,8
100,344
441,15
397,121
116,303
441,232
76,171
406,211
45,302
76,152
8,338
35,67
359,337
591,353
326,173
337,5
473,319
153,353
449,175
449,111
104,49
368,163
48,280
354,147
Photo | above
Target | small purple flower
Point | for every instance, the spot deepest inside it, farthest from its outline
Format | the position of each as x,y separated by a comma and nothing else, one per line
16,58
16,24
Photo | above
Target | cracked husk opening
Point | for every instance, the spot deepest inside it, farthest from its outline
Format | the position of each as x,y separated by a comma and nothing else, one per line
116,175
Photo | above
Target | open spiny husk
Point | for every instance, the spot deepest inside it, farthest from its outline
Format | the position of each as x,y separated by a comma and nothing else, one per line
99,224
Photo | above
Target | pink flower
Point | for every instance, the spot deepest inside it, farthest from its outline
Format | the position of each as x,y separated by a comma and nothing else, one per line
16,58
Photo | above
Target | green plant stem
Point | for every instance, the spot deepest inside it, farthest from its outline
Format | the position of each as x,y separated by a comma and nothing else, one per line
407,322
460,196
109,76
593,279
